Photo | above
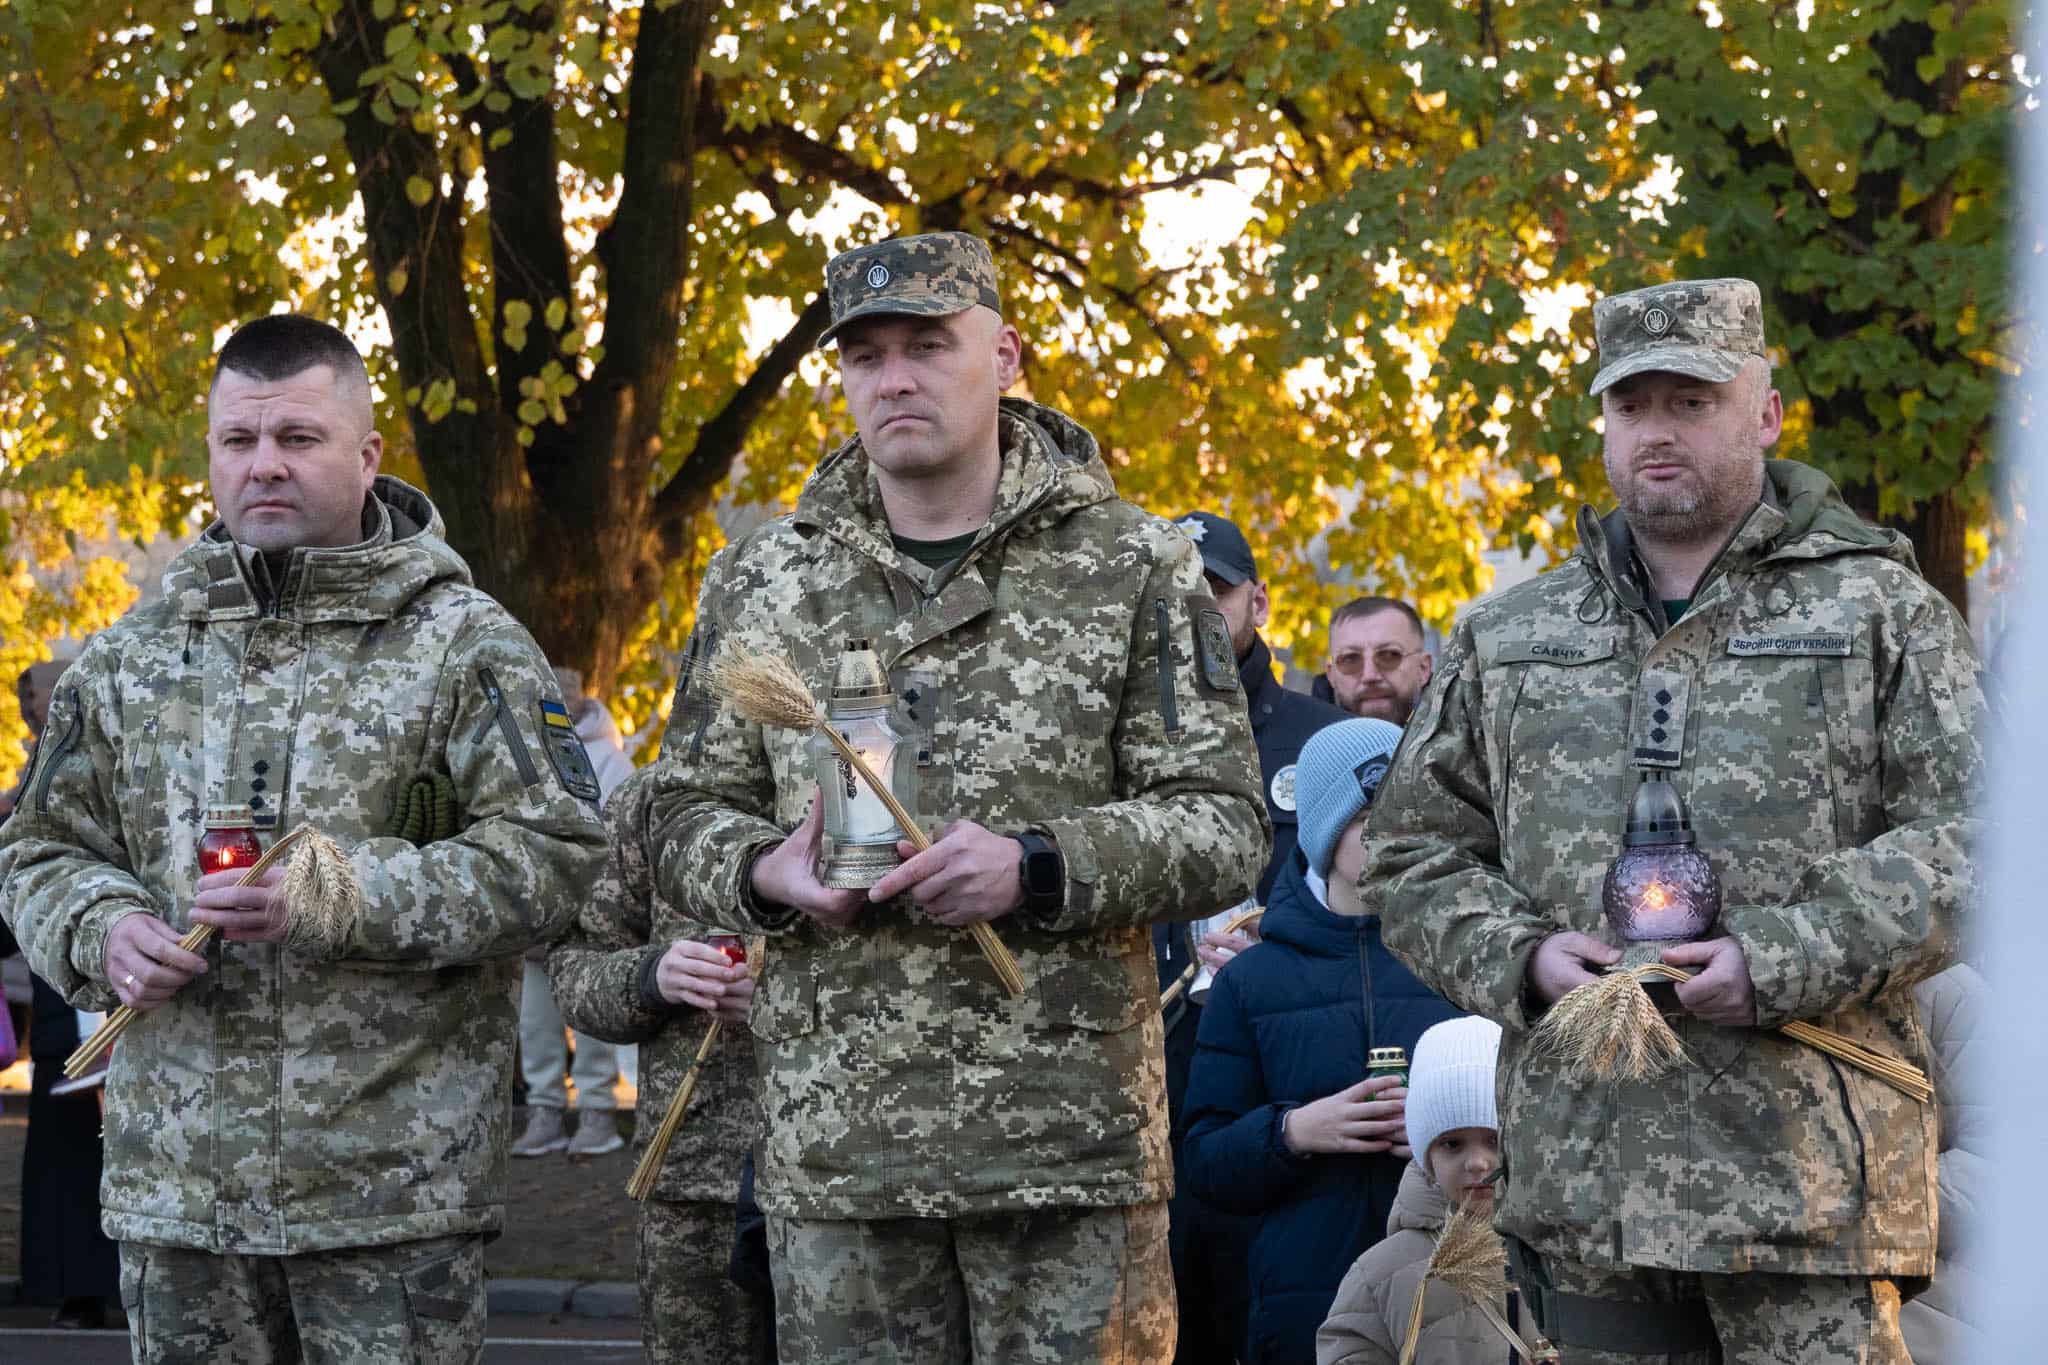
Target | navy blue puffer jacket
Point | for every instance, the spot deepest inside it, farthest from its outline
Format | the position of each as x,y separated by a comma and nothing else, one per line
1289,1021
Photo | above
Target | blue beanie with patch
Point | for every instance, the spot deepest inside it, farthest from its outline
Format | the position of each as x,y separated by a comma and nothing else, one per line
1339,770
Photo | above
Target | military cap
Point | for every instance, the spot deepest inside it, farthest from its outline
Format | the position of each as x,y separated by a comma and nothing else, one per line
1225,552
1706,329
931,275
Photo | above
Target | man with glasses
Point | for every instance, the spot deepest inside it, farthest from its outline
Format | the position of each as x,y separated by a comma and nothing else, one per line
1378,665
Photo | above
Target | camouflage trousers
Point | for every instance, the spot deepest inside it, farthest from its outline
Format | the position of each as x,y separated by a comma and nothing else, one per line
409,1303
1051,1285
691,1313
1758,1319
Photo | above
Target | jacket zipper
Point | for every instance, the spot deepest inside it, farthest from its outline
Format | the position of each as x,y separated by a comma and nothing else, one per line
1169,708
57,754
1365,976
501,715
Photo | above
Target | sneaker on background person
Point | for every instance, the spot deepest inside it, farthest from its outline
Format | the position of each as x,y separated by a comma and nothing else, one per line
597,1132
544,1133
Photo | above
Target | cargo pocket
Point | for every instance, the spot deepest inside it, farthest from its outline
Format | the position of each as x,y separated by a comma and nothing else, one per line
444,1301
785,1006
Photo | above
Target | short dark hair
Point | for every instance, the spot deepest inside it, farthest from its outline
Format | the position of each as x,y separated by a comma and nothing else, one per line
1359,607
284,344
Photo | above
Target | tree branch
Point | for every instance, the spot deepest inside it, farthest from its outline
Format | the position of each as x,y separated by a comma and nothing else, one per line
648,237
1077,282
432,332
529,252
720,438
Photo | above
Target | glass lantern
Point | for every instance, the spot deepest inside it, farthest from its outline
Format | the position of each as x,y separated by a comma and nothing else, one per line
1661,889
860,833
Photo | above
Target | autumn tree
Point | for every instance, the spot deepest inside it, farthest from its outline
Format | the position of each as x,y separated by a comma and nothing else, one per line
594,235
1851,159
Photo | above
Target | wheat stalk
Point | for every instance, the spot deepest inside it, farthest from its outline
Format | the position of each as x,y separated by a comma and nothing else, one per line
196,938
1903,1077
1235,923
1609,1029
322,898
1470,1258
767,690
649,1165
642,1183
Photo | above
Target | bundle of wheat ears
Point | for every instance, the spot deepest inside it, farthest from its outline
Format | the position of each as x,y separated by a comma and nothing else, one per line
1471,1259
322,900
1610,1029
767,690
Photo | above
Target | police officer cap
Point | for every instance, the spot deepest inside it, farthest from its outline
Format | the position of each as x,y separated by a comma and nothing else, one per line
931,275
1705,329
1225,551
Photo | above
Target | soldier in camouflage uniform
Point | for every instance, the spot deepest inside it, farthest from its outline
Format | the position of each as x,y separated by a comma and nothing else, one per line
632,970
947,1171
1735,628
305,1142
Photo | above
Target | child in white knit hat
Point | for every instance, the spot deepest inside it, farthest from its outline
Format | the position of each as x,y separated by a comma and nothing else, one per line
1453,1133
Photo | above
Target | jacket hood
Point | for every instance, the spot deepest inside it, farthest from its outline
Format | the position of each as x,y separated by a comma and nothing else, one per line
1418,1204
1051,468
1296,918
1801,516
401,554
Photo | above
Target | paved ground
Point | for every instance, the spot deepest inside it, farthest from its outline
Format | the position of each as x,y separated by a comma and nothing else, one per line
568,1220
24,1340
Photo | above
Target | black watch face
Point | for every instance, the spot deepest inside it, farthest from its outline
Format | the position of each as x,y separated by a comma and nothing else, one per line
1042,872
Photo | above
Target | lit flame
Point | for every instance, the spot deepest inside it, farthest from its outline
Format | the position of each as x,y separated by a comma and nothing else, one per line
1655,897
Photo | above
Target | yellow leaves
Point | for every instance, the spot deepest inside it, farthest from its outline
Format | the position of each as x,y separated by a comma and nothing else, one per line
396,279
419,190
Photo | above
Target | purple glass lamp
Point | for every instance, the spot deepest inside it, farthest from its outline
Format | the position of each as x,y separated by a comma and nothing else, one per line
1661,889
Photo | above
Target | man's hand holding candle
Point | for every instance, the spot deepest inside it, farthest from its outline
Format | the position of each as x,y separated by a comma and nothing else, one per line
968,875
788,875
696,974
1566,961
254,913
1721,992
144,962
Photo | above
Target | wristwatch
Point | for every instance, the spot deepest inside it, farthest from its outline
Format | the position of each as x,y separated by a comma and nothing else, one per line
1043,874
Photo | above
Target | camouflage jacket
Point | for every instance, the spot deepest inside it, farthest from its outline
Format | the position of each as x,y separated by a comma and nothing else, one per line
1818,706
281,1103
602,973
1069,674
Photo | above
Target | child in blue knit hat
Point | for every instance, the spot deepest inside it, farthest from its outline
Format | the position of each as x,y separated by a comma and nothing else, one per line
1281,1120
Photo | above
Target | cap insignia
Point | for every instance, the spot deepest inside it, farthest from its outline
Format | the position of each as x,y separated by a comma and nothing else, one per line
878,275
1656,322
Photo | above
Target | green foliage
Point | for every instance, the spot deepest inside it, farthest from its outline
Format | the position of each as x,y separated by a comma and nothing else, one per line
1398,329
1852,160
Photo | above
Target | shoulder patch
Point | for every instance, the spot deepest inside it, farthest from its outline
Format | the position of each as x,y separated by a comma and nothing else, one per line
1215,660
564,748
1281,792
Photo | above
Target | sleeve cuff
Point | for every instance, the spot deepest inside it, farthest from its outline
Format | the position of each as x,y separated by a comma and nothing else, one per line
771,918
1077,852
1775,949
650,965
89,955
